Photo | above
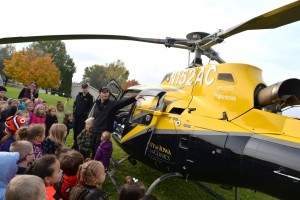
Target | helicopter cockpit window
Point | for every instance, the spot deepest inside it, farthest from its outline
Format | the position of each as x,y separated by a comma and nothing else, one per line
123,113
225,77
143,111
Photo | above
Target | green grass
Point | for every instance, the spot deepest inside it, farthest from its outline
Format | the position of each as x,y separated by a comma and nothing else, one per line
172,188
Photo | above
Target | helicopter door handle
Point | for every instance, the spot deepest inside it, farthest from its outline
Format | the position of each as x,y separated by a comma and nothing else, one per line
286,175
190,161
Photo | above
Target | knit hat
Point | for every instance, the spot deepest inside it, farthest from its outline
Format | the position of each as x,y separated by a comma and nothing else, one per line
13,123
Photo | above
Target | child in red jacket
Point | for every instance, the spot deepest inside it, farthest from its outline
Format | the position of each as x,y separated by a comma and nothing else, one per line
69,163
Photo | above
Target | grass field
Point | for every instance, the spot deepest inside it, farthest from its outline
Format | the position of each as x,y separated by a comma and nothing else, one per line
170,189
51,99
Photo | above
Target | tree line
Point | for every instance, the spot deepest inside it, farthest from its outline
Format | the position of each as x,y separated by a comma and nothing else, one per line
49,64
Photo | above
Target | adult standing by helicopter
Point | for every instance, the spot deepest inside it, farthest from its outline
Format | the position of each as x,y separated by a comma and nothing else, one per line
82,106
31,92
104,114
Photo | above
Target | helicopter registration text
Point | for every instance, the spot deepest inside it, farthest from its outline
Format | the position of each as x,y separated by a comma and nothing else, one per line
192,77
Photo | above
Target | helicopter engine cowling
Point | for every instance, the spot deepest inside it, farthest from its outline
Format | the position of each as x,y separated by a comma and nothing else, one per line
279,95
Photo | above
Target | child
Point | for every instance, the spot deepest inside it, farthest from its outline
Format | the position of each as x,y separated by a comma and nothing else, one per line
25,187
36,135
90,175
4,114
61,150
25,114
25,149
60,112
69,163
84,139
13,102
68,121
56,138
29,108
8,169
50,118
45,104
12,124
3,93
104,150
132,189
47,167
39,115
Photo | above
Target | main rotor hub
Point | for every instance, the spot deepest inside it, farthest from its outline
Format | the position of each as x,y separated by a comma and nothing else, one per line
196,35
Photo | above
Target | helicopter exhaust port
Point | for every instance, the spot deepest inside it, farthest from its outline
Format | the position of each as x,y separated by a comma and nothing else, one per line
279,95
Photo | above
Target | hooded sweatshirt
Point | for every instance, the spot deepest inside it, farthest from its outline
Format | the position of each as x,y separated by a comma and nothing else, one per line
9,168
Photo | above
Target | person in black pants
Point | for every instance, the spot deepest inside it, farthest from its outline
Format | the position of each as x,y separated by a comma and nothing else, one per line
104,112
82,106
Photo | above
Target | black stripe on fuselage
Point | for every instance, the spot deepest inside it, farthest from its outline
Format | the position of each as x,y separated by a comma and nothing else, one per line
233,158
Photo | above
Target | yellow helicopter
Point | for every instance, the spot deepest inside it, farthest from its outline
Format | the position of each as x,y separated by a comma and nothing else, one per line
217,123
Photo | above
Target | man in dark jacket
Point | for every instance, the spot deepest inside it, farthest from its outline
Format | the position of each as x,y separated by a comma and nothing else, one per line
104,112
82,106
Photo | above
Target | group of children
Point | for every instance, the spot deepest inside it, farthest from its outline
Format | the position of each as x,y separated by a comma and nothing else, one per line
32,146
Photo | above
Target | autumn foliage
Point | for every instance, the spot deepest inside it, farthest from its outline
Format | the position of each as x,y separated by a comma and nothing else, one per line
130,83
26,66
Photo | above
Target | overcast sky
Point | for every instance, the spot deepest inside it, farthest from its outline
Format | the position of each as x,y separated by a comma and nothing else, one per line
275,51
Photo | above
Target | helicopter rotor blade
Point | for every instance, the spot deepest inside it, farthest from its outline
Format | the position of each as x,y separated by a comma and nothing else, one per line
168,42
279,17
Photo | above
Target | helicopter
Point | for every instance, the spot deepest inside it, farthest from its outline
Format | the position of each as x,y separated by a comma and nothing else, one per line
216,123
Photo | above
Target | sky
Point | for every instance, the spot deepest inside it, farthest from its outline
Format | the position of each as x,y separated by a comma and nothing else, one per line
275,51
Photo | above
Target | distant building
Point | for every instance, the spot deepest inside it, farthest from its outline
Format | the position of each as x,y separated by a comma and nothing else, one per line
76,87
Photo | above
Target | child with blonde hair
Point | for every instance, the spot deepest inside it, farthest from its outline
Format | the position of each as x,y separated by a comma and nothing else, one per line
25,149
39,115
56,138
60,112
29,108
36,135
25,187
84,139
90,175
104,150
50,118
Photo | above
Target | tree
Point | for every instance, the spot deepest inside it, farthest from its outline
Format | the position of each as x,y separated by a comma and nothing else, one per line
61,59
99,75
130,83
5,54
26,66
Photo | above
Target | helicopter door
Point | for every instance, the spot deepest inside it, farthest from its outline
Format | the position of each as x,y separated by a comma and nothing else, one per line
206,152
142,121
114,90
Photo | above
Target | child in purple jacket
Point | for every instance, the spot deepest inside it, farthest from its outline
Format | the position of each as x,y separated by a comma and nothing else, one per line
104,150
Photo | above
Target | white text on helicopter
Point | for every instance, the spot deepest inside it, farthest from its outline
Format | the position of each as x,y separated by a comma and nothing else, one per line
187,77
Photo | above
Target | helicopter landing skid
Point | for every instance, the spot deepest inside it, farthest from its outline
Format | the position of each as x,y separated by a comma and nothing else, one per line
112,172
160,179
